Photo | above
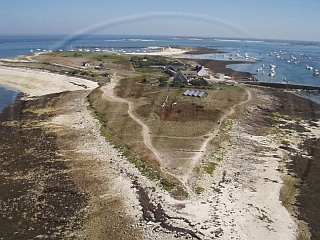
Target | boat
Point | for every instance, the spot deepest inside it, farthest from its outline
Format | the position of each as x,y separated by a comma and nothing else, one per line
259,69
272,66
309,68
271,73
316,72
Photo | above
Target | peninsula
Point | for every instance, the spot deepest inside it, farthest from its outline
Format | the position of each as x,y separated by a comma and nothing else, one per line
114,146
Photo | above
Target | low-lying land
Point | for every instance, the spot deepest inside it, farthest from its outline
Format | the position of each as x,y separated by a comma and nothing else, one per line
128,160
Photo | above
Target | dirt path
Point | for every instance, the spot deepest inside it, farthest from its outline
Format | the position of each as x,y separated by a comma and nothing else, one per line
108,93
211,135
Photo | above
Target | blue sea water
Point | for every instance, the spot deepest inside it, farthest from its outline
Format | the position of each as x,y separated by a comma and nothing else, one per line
7,96
290,58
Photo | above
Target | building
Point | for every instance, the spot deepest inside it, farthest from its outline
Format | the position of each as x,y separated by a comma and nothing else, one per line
220,76
190,74
171,69
201,72
180,78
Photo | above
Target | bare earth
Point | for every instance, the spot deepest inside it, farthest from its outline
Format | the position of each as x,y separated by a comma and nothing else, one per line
240,201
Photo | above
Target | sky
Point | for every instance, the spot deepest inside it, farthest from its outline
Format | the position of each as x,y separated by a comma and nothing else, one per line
266,19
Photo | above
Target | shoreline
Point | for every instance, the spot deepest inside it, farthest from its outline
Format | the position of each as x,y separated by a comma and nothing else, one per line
210,211
43,82
6,101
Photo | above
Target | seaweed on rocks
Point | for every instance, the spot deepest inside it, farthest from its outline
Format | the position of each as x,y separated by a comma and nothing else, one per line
38,199
305,163
156,214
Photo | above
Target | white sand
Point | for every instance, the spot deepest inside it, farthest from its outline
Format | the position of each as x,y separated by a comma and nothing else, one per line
164,52
37,83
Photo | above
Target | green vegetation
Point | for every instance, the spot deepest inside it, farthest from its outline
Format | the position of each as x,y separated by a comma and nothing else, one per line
199,190
147,61
114,58
163,79
217,190
228,125
288,191
211,167
178,84
111,129
199,82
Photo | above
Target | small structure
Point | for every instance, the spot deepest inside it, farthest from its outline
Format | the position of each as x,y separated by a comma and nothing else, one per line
180,78
196,93
201,72
220,76
186,92
100,66
171,69
189,74
191,93
201,94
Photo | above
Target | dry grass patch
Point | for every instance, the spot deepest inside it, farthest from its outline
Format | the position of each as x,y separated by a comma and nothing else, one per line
176,129
187,144
288,192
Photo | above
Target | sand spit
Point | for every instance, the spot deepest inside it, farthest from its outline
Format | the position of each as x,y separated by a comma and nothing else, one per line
241,200
38,83
166,52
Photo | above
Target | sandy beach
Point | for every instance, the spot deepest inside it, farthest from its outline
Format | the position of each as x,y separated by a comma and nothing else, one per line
166,52
240,201
37,83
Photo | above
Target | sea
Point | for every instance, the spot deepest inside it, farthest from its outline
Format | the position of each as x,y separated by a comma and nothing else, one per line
7,96
289,61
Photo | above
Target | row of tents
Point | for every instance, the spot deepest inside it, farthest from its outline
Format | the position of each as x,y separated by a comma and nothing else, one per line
193,93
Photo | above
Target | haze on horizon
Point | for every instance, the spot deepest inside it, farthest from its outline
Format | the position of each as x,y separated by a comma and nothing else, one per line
269,19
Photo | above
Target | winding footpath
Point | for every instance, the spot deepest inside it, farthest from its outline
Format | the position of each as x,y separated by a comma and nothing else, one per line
108,94
201,152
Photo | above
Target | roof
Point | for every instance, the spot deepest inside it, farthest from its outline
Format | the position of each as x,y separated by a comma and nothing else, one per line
201,94
186,92
196,93
189,73
203,73
179,77
191,93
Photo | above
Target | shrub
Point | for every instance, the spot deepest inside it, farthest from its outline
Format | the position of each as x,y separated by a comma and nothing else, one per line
163,79
199,82
163,84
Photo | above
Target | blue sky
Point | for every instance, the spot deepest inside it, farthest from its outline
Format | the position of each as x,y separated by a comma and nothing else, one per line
270,19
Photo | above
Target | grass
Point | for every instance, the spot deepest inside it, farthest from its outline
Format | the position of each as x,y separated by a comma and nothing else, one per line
217,190
199,190
93,55
288,192
211,167
112,130
173,128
